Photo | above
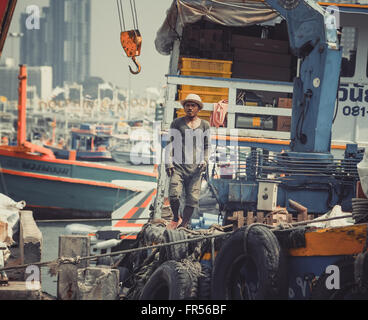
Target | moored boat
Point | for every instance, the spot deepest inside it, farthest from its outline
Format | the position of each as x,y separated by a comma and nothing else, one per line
32,173
89,141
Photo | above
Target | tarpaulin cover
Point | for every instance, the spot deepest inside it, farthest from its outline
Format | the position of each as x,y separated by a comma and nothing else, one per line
234,13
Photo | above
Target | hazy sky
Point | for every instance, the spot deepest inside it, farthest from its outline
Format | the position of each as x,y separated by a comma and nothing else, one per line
108,59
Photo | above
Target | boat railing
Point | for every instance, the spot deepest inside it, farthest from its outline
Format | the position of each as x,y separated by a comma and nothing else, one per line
233,85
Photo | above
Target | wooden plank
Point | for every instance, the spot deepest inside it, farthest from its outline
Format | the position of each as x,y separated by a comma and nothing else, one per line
237,219
260,217
333,241
250,218
18,290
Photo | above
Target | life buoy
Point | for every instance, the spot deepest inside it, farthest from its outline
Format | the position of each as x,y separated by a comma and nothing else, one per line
250,266
170,281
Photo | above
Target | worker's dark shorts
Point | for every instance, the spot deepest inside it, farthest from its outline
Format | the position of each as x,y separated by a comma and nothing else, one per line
191,185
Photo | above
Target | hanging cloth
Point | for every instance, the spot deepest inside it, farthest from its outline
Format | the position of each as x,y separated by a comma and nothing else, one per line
219,114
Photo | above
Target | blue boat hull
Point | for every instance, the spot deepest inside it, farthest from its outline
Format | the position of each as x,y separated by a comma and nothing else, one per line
72,188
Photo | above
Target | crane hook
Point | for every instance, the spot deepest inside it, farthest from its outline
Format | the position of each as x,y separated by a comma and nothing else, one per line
137,65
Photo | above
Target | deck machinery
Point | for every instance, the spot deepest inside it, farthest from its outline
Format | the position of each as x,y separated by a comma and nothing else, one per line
308,173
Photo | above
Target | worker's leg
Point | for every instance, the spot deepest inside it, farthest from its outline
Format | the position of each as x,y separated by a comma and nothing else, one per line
192,193
187,215
175,190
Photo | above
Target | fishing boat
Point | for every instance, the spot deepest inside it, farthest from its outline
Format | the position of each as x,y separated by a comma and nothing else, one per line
91,143
55,187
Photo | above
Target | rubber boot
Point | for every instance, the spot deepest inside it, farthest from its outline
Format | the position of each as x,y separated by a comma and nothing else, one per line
175,205
187,215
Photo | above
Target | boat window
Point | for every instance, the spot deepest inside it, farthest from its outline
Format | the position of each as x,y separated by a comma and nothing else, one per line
349,38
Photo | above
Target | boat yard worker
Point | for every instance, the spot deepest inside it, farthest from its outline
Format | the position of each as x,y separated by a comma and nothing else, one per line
186,159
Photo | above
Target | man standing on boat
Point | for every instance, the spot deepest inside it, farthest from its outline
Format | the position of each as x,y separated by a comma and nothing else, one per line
186,159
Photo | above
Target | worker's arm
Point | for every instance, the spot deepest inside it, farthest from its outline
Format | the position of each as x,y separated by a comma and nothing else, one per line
169,152
206,145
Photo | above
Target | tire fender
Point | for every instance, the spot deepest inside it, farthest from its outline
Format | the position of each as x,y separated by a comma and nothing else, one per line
254,243
170,281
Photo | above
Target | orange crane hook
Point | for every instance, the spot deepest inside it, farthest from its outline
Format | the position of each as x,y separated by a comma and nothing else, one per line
137,64
131,42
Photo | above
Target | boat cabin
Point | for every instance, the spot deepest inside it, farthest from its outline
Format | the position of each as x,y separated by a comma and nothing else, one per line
239,52
90,138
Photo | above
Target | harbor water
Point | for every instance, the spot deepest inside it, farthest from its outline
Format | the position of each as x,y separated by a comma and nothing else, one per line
51,231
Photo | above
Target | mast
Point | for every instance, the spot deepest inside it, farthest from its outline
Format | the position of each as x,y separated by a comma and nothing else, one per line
22,105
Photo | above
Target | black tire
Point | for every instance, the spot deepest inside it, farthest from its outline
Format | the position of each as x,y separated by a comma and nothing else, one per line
204,283
169,282
349,290
361,270
259,272
154,234
174,252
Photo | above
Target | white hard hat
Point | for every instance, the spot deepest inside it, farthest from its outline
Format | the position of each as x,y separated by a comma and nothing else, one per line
193,98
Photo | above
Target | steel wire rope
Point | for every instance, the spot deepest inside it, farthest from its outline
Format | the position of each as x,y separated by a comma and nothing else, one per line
133,16
135,13
121,15
78,259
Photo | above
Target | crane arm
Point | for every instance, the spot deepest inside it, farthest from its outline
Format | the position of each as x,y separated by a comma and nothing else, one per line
313,39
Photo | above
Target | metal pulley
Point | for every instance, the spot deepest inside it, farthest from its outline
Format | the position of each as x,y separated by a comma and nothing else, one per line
131,40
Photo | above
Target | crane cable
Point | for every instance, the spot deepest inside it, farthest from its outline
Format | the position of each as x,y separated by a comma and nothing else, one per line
134,14
121,14
131,40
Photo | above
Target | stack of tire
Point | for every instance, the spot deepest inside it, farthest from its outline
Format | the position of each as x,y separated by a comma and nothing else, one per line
171,280
249,265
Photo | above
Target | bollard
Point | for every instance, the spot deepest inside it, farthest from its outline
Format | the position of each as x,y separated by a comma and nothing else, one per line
71,246
30,241
98,283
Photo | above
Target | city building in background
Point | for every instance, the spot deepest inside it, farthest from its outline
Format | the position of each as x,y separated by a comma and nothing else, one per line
62,41
39,78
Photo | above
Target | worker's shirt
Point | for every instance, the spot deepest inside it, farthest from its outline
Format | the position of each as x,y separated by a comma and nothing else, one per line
188,147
